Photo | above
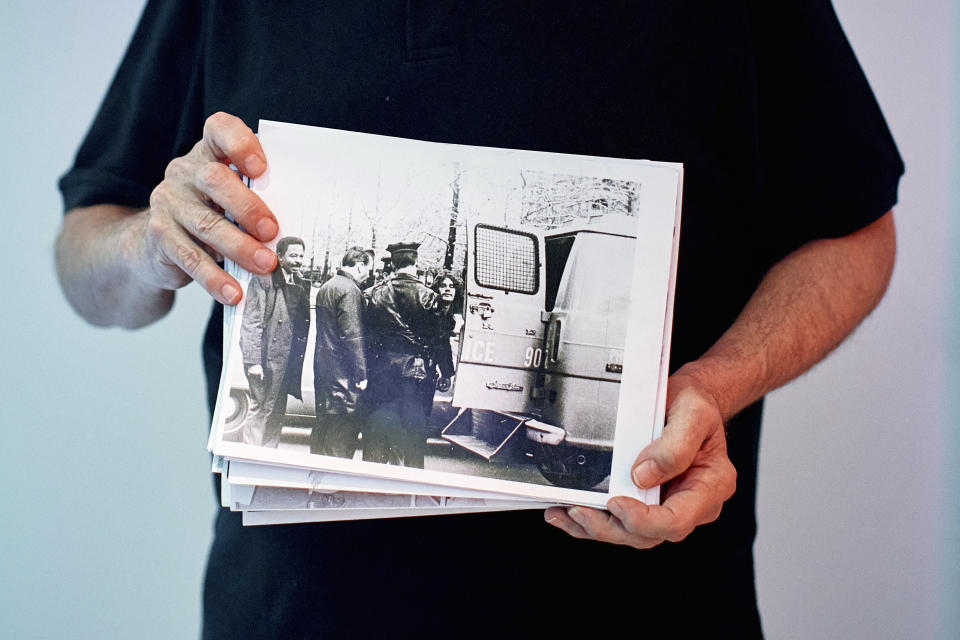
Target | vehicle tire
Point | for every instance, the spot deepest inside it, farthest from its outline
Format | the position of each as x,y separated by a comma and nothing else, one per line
239,405
572,467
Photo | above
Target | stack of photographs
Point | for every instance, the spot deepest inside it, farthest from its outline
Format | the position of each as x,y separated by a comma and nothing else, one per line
450,329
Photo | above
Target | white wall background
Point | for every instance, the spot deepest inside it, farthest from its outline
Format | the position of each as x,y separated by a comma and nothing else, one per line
105,491
855,493
106,502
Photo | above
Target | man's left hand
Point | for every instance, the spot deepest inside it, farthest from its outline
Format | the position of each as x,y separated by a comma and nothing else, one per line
690,459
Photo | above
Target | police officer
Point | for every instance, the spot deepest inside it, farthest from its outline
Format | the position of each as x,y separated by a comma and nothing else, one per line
405,340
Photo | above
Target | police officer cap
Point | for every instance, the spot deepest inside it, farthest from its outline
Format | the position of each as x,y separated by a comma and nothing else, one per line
401,247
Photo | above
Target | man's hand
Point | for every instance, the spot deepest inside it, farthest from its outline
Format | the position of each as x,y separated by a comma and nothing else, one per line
185,229
691,456
806,304
255,371
362,385
119,266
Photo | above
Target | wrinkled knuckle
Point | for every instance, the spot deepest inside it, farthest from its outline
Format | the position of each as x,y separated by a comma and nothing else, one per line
190,259
208,222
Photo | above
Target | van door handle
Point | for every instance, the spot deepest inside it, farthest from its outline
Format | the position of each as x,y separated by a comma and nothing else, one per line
555,342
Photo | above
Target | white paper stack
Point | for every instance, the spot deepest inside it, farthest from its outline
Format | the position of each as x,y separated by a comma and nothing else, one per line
521,358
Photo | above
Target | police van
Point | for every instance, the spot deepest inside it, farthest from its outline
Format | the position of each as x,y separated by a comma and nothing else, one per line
541,353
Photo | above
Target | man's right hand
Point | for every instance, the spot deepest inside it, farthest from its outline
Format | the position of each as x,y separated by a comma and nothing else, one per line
119,266
182,232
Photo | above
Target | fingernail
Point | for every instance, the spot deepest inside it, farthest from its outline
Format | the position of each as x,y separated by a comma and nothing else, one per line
264,258
575,513
253,165
647,474
230,293
266,229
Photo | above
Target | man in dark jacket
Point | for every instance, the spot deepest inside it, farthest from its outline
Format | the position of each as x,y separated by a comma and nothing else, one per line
405,334
339,364
273,340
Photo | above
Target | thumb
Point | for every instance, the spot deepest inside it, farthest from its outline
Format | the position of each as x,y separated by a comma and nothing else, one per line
691,418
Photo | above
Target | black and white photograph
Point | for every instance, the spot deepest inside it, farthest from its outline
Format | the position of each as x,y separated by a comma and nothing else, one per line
450,315
287,499
241,476
253,517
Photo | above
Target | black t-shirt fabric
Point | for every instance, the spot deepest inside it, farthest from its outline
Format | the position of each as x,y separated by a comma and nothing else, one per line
781,140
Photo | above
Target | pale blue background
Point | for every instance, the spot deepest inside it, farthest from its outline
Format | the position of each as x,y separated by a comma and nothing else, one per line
106,502
105,492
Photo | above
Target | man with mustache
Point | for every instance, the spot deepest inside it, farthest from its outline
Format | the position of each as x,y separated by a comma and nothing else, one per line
273,340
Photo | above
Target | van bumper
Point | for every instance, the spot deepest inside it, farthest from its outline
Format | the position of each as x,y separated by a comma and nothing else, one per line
544,433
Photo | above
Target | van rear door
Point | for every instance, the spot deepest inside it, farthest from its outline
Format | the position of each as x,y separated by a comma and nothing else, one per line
585,338
502,347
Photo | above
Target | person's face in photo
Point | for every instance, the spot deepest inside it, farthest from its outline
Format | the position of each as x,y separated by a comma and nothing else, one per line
365,269
292,259
447,290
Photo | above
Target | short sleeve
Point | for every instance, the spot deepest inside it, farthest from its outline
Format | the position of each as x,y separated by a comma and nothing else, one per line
151,113
829,165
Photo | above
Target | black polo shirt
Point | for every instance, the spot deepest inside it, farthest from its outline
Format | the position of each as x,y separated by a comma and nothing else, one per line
781,140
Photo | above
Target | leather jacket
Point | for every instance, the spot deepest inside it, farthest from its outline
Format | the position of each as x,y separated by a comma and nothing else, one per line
340,339
404,317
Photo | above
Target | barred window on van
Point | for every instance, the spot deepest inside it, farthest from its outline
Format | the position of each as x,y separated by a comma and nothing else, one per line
506,259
